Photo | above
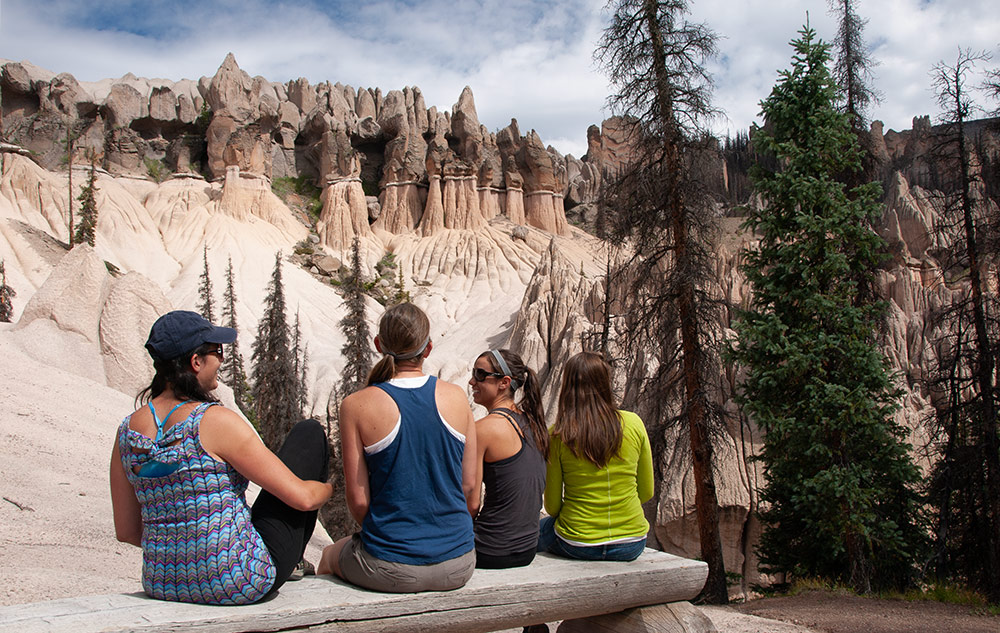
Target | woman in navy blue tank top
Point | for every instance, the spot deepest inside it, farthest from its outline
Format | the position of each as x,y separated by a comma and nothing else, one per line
409,448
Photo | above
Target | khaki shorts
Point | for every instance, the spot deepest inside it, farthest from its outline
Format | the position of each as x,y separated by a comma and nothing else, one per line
360,568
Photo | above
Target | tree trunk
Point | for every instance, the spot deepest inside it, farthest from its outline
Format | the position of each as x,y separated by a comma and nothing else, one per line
987,430
706,502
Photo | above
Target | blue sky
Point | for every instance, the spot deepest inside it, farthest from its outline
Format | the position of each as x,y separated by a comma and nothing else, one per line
527,59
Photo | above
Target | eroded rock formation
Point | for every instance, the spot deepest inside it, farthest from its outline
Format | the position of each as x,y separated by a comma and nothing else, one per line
431,170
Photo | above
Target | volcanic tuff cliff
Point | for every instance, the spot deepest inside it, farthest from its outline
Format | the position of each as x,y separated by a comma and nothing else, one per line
476,220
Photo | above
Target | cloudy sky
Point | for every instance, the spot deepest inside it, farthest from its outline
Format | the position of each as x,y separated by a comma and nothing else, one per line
528,59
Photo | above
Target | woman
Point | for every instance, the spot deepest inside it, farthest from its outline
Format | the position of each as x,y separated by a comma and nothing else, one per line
600,470
409,449
512,441
179,470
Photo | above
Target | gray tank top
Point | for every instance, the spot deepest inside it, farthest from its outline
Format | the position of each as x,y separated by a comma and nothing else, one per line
508,521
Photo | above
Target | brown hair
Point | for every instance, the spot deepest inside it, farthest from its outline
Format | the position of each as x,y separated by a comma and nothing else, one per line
403,334
176,374
588,422
523,377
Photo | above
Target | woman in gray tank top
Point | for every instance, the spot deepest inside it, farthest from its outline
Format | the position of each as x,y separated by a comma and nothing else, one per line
512,442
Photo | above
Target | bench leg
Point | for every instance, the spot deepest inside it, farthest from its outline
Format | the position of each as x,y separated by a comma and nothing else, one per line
675,617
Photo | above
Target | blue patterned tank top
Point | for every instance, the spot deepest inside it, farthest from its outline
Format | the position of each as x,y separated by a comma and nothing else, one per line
198,544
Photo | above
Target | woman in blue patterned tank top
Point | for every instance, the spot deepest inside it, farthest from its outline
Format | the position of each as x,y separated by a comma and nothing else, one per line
179,470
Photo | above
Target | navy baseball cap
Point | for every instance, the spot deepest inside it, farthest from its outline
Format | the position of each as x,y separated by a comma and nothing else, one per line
181,331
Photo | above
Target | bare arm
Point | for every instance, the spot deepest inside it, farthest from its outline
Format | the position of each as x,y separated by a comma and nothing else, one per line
353,452
482,442
223,433
124,504
472,465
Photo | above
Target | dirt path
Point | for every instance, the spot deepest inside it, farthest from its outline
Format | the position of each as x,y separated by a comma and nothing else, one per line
828,612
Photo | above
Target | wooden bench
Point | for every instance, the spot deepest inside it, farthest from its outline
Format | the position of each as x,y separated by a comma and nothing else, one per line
549,589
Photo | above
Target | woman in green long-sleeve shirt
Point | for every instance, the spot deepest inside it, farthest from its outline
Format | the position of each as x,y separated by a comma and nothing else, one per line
600,470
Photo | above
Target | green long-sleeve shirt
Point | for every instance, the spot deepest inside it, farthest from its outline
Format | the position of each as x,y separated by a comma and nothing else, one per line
597,505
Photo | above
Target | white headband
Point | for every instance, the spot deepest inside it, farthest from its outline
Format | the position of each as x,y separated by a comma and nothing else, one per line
514,382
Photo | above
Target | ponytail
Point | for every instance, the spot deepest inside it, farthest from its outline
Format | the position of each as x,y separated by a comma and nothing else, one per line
531,404
383,370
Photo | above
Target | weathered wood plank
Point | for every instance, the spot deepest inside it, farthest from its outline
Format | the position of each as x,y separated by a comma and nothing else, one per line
549,589
676,617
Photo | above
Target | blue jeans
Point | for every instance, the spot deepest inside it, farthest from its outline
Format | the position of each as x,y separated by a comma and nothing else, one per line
549,542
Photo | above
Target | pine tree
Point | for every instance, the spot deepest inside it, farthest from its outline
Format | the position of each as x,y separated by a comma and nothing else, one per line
966,483
87,227
656,60
402,295
206,304
853,68
72,133
275,388
6,296
357,338
300,352
839,494
233,369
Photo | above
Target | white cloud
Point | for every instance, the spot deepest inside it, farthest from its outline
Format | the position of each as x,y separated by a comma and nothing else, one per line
526,59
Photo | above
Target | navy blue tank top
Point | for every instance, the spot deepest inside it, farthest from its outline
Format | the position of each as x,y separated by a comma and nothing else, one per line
417,514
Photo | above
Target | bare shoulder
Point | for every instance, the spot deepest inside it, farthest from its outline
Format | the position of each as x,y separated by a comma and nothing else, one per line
453,405
218,416
451,391
369,400
493,425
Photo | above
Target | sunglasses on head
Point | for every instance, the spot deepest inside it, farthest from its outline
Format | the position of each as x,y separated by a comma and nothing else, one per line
479,374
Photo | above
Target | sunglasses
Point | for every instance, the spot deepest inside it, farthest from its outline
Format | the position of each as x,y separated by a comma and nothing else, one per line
479,374
217,351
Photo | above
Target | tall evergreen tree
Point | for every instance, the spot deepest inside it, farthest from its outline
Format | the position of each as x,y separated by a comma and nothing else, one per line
852,70
853,74
275,388
72,133
839,494
233,368
656,60
966,485
7,295
300,352
206,302
87,227
357,349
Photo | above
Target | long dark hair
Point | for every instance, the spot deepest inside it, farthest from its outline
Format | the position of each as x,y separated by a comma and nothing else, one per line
523,378
403,333
588,422
176,373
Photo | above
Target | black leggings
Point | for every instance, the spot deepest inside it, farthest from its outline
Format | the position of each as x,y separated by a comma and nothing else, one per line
285,530
506,561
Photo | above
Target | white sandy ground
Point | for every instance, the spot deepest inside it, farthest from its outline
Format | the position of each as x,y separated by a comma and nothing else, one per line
56,534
